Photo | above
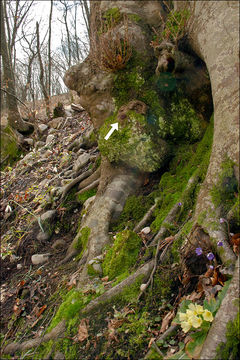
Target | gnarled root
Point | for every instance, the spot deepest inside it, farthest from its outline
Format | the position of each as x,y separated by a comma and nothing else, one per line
53,334
106,207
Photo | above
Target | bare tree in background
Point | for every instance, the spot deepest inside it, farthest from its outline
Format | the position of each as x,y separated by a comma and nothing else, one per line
49,49
41,76
14,117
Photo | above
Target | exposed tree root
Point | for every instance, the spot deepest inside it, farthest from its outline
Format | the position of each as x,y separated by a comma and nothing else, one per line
146,218
53,334
91,186
69,186
60,328
217,333
165,244
116,290
106,207
95,176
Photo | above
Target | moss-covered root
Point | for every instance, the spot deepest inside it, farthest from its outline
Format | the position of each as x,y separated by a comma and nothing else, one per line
105,208
217,333
32,343
143,273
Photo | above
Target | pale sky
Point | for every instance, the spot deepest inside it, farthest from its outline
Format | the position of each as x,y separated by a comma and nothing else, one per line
41,10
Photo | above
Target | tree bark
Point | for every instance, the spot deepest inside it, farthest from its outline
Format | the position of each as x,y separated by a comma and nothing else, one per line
41,76
14,117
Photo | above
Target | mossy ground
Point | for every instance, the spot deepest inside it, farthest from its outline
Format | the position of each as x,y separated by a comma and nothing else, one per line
10,151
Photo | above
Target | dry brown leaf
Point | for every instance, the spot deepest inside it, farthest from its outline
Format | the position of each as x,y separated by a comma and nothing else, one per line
42,309
194,296
150,342
104,279
82,330
166,320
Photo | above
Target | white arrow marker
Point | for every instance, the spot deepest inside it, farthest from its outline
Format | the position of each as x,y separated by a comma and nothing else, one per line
114,127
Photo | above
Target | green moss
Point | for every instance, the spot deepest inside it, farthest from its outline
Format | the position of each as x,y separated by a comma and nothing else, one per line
175,26
123,254
70,307
181,122
230,349
134,17
188,160
86,195
83,239
175,253
134,210
10,152
112,15
91,271
132,143
223,192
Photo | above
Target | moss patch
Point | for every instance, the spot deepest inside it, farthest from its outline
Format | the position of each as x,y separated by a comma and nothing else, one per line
230,349
189,160
86,195
123,254
223,192
9,147
83,239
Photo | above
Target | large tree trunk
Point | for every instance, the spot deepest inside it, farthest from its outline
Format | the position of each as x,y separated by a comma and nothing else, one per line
14,117
213,39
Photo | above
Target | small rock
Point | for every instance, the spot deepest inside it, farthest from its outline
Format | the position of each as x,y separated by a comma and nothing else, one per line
39,258
39,144
52,131
97,267
143,287
146,230
81,161
19,266
42,128
28,157
99,257
56,123
49,139
29,141
43,236
59,244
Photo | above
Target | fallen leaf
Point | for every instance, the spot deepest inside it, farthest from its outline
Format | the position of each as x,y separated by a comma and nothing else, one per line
41,310
150,342
166,320
83,330
104,279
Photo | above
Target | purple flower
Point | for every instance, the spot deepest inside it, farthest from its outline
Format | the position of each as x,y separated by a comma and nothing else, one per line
198,251
211,267
210,256
219,243
222,220
179,204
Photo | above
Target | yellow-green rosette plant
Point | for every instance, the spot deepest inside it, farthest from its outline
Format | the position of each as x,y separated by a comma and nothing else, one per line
194,317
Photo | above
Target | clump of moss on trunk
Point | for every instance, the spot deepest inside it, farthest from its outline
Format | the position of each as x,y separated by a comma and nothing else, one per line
230,349
223,193
122,255
189,160
83,239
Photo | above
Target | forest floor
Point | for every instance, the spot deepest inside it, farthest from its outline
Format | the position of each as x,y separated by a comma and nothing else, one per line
33,289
